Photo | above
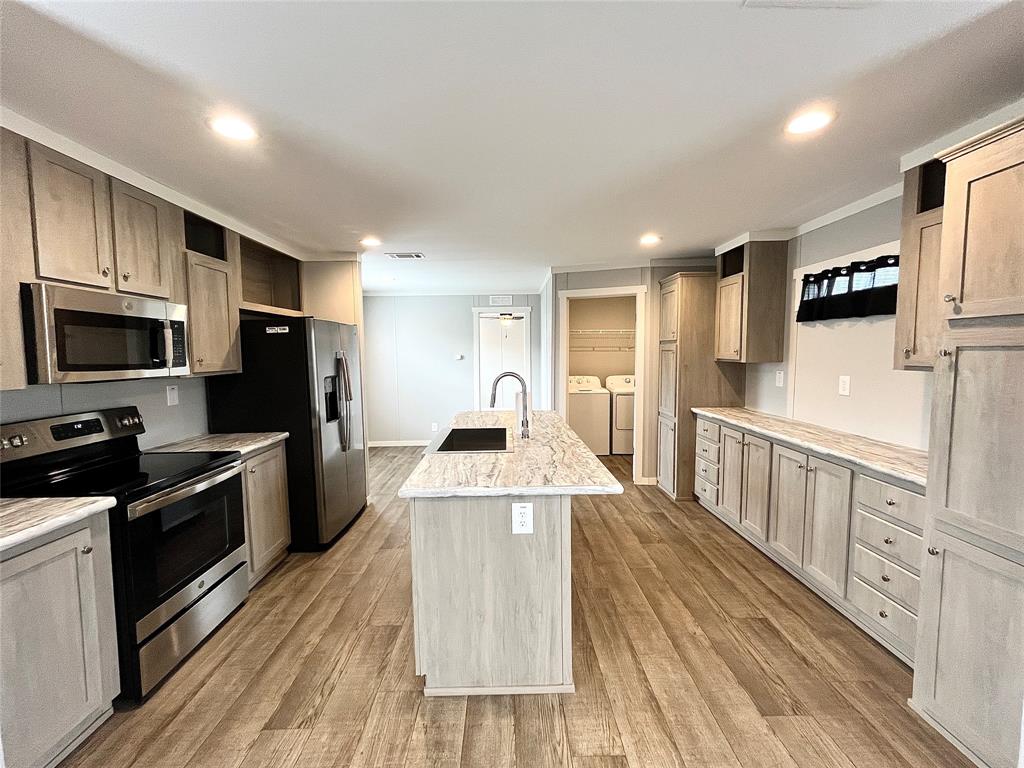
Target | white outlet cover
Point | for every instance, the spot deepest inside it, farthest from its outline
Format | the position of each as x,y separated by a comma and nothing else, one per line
522,517
844,386
433,426
172,394
779,378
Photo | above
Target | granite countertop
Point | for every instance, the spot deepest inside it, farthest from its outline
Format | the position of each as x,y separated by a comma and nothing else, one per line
247,443
552,462
897,461
22,520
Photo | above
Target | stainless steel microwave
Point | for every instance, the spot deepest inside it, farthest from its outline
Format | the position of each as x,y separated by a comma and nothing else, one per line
74,335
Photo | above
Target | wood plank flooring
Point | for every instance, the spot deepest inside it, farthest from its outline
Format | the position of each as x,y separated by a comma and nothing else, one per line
690,649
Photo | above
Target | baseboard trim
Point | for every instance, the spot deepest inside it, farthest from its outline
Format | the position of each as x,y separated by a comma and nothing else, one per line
397,443
646,481
500,690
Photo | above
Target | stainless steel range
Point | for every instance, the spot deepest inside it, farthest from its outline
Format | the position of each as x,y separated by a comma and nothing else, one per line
177,532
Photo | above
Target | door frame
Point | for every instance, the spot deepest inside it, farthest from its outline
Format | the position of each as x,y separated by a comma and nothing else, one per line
477,312
639,293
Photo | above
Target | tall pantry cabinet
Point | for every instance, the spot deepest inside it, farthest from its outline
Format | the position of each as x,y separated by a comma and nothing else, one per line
969,661
688,375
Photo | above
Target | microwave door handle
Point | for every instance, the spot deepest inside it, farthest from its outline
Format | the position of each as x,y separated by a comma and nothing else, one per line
168,345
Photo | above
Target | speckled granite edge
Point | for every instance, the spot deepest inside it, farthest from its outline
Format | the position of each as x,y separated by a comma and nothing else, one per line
23,520
247,443
896,461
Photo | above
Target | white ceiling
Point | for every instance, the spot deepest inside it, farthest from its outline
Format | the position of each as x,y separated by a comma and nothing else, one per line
504,138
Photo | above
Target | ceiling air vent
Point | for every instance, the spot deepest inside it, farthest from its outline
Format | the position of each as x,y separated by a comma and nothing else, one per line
409,255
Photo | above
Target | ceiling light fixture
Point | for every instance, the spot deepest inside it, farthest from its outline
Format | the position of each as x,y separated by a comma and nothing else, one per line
233,128
370,241
810,121
650,239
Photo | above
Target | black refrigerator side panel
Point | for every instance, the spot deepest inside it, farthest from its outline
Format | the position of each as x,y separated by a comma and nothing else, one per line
272,395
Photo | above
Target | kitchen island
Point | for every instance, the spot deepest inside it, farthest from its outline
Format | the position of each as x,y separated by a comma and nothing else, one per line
491,568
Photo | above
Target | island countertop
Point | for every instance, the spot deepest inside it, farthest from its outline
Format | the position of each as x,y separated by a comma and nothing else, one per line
552,462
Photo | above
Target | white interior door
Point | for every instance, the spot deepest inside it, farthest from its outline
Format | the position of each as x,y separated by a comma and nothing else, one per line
503,346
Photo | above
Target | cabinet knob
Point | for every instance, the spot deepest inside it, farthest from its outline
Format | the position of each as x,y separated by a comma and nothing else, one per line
125,275
889,540
735,351
810,469
944,353
86,550
800,466
252,470
906,353
201,584
949,298
883,614
199,359
890,502
105,271
886,577
933,551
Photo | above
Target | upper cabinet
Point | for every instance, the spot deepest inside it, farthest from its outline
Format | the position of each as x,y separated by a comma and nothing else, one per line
147,238
983,227
71,217
919,316
669,312
270,279
750,311
213,314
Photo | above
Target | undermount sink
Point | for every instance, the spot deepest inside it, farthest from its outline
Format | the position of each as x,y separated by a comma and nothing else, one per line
474,440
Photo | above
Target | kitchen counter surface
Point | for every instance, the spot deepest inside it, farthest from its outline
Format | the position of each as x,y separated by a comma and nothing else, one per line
22,520
553,461
896,461
247,443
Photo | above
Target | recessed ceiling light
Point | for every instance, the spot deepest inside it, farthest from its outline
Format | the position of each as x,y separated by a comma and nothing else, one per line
370,241
233,128
810,120
650,239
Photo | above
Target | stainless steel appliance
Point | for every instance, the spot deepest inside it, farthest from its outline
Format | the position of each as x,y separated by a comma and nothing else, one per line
72,335
177,532
302,376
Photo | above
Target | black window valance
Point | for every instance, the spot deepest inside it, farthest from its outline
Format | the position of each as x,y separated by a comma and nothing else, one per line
860,289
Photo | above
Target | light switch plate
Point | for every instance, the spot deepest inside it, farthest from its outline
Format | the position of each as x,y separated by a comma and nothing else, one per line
172,394
522,517
844,386
433,426
779,378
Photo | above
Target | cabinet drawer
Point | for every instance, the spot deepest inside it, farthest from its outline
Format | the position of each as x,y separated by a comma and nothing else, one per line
707,471
707,451
705,490
882,497
708,430
899,545
888,578
884,612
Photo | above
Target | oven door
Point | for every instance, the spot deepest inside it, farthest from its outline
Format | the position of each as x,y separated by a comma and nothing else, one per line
76,335
181,544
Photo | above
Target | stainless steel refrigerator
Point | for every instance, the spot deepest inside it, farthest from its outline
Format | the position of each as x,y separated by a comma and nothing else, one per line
302,376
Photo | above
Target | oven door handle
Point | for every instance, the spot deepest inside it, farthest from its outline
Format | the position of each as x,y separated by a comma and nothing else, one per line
140,508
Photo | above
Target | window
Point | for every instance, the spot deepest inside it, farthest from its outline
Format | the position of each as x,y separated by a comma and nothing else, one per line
860,289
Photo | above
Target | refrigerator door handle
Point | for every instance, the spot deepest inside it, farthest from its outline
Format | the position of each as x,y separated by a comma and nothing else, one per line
347,379
339,362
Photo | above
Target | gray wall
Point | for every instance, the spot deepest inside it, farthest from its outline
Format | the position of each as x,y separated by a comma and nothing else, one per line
412,376
164,423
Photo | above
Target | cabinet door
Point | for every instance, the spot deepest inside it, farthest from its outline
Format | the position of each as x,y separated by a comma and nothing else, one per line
667,380
17,252
51,670
983,230
969,662
669,325
71,215
757,467
730,482
667,456
788,497
919,313
266,506
729,319
213,315
827,531
976,468
143,239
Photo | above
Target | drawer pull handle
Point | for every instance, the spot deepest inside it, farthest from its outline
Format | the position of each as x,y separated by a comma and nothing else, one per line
933,551
891,502
889,540
886,577
86,550
883,614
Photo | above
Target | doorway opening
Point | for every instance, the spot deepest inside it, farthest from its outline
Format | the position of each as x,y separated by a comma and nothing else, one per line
501,342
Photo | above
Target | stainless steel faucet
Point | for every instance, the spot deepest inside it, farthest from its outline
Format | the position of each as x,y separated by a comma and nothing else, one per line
522,382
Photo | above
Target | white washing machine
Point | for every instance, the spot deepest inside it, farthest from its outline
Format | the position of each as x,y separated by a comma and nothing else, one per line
588,412
621,389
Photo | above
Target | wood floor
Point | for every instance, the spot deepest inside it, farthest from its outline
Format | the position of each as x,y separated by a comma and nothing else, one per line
690,649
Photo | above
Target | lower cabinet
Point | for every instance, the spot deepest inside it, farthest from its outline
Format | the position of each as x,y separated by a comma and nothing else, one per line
827,525
667,456
757,476
730,495
268,531
58,665
970,647
788,504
